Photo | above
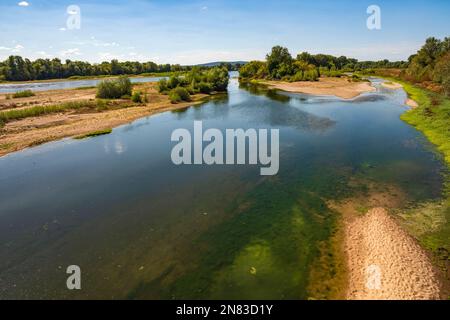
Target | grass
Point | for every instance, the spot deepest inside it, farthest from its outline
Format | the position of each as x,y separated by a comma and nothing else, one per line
429,222
97,105
94,134
24,94
17,114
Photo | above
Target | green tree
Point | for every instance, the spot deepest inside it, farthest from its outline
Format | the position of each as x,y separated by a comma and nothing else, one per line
279,61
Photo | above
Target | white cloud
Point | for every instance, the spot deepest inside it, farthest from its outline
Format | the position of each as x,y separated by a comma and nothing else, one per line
42,53
70,52
107,56
23,4
16,49
62,29
203,56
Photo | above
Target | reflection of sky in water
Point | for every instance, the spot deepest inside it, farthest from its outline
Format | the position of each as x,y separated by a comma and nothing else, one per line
107,192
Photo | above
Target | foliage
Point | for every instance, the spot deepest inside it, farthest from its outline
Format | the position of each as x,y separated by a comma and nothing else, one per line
179,94
17,114
16,68
114,89
426,65
254,70
196,81
139,97
94,134
23,94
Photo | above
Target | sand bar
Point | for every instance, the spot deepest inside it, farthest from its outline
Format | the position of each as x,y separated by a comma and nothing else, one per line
385,263
28,132
339,87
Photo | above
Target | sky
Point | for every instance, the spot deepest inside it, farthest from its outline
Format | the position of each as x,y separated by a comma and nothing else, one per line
191,32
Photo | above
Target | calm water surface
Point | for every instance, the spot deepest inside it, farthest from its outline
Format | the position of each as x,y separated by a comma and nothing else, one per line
67,84
141,227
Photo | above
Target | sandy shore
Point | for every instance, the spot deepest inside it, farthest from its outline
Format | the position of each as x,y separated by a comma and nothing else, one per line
385,263
18,135
396,86
392,85
339,87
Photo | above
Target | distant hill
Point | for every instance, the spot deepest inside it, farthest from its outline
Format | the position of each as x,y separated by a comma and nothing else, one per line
218,63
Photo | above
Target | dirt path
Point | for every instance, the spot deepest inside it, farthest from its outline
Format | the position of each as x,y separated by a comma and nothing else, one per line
385,263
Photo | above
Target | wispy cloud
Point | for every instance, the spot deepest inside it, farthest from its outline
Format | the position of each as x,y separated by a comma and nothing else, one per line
23,4
70,52
16,49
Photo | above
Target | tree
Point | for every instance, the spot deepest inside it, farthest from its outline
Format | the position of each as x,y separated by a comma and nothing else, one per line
279,61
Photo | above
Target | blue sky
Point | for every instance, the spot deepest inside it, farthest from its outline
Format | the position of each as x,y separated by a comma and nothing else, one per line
190,32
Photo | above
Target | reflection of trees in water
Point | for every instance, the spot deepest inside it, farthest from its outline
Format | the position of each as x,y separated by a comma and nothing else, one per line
287,116
214,107
274,111
262,90
295,118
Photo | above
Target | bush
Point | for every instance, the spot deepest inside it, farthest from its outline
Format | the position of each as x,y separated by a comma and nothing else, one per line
204,87
163,86
114,89
23,94
139,97
179,94
173,82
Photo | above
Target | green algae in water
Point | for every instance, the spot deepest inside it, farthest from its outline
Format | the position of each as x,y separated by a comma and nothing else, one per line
263,252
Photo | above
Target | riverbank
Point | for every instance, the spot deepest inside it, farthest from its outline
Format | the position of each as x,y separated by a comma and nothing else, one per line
101,77
32,131
340,87
427,222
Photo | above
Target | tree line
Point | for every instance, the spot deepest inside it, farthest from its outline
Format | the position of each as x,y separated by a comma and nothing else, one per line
16,68
280,65
431,64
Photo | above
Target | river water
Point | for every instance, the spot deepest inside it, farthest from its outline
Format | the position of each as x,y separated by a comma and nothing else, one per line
140,227
65,84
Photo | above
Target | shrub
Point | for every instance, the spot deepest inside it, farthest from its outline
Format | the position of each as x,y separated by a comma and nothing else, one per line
139,97
179,94
173,82
94,134
204,87
23,94
162,86
114,89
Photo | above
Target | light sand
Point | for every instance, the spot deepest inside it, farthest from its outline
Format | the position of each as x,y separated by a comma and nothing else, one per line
392,85
396,86
339,87
411,103
18,135
385,263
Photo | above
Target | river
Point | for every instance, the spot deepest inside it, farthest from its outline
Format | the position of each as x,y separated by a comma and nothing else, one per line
140,227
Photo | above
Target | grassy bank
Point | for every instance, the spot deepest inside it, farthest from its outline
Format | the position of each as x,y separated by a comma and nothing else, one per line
94,134
429,222
98,105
